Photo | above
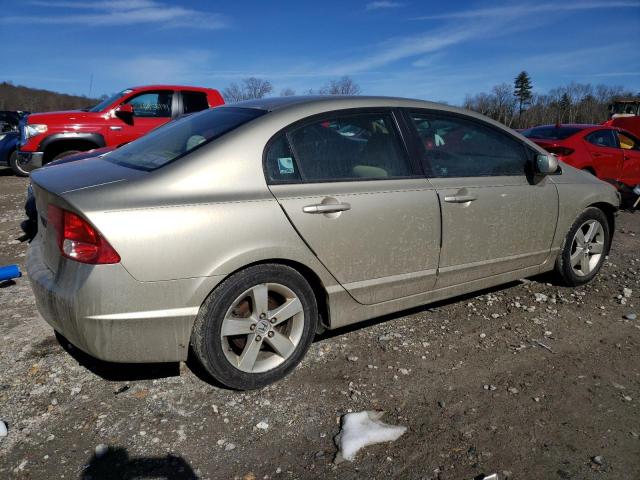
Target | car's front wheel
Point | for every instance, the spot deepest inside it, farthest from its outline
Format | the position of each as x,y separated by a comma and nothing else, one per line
584,248
15,165
256,326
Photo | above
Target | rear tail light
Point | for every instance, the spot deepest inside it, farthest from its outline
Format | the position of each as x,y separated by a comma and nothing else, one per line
78,240
560,151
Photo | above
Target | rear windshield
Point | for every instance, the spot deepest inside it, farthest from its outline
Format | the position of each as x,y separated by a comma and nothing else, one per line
551,132
177,138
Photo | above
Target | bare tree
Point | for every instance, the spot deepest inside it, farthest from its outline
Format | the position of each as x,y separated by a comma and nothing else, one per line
249,88
571,103
343,86
287,92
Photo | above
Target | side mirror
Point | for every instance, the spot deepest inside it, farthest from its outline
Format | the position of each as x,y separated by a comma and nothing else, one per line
125,111
546,164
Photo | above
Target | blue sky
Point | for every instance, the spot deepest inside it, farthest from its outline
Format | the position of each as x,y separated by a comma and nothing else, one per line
435,50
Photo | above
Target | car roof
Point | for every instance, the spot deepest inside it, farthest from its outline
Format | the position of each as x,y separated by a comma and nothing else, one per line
170,87
336,101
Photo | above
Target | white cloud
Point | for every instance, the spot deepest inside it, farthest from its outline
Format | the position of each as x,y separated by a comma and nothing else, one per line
524,9
383,4
120,13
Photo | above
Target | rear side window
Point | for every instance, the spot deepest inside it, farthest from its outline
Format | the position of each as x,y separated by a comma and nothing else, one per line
602,138
456,147
152,104
628,142
194,102
551,132
280,164
178,138
350,147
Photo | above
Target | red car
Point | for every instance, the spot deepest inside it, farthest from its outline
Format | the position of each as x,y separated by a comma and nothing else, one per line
610,153
126,116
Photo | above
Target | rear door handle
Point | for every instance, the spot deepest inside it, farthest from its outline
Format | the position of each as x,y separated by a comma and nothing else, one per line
460,198
115,128
326,208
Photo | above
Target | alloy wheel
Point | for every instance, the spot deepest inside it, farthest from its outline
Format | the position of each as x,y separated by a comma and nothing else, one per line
262,328
587,247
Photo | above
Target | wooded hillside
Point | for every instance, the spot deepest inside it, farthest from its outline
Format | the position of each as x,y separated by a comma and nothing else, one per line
17,97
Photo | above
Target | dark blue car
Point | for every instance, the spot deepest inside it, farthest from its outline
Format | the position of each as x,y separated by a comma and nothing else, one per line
9,137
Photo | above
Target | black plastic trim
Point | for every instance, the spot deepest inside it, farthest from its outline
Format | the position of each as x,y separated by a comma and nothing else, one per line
95,138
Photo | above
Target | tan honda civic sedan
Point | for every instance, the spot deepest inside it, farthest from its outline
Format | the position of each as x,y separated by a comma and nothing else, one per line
240,232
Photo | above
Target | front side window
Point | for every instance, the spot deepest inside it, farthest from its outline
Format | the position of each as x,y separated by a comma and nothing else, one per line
456,147
602,138
152,104
350,147
175,139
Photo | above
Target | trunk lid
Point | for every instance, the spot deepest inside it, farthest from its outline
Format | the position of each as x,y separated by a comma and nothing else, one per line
51,184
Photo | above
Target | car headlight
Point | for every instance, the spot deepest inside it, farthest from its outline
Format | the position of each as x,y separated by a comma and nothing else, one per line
2,135
31,130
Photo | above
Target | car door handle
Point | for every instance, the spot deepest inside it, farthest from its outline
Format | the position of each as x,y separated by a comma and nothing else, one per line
460,198
115,128
326,208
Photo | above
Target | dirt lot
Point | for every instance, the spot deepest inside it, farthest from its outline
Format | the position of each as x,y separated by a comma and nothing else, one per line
469,377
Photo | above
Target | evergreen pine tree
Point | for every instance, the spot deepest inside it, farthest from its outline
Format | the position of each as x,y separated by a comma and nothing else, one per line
522,91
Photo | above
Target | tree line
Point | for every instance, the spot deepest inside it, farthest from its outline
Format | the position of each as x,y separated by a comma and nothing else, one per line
252,87
517,106
17,97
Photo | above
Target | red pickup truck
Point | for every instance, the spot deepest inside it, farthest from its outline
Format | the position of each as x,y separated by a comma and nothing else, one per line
124,117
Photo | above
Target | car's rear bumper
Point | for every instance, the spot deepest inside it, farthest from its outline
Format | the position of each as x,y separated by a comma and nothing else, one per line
105,312
29,161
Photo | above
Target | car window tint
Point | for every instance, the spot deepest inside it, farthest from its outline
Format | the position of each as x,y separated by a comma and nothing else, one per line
176,139
280,164
551,132
602,138
455,147
352,147
194,102
152,104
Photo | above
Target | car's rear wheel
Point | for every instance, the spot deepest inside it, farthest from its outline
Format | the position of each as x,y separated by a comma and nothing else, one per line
256,326
14,163
584,248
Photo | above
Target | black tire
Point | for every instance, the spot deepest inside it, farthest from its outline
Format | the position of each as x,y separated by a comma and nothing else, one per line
66,153
15,165
563,268
206,340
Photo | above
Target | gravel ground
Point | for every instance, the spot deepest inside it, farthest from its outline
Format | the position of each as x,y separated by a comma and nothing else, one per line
529,380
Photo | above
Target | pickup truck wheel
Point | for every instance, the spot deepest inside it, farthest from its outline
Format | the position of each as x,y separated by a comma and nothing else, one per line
66,153
256,326
584,248
15,165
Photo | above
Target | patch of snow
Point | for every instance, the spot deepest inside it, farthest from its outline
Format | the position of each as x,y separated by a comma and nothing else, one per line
361,429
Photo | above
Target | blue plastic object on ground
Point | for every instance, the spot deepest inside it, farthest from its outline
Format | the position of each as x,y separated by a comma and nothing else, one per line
9,272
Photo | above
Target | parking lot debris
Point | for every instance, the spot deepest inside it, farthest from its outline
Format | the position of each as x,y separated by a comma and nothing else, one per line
9,272
631,316
627,292
101,450
262,426
3,429
361,429
540,344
